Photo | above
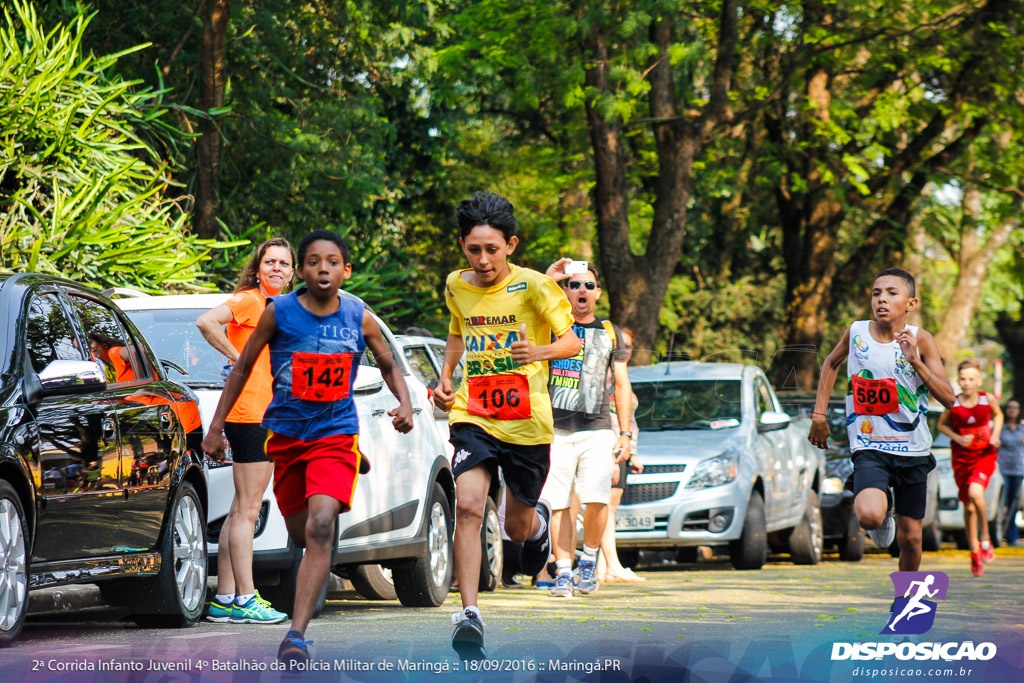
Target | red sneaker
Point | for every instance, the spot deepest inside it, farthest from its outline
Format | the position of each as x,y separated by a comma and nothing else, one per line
987,554
976,566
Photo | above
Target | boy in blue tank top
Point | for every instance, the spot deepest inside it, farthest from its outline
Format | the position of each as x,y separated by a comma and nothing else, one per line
316,339
892,367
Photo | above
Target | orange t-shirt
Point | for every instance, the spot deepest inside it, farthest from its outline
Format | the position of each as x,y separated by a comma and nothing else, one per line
246,308
122,368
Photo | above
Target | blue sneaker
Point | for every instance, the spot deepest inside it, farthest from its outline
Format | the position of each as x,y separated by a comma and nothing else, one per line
255,610
219,612
588,577
293,648
563,587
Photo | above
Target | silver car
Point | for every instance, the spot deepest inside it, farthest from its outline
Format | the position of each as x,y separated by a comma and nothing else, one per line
723,466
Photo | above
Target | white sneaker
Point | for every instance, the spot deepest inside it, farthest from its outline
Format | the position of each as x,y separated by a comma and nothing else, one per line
884,535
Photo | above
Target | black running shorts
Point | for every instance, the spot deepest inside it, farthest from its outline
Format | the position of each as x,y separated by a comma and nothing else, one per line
248,441
525,468
907,475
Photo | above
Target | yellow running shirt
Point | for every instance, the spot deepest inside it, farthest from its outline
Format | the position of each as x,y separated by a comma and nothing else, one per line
509,402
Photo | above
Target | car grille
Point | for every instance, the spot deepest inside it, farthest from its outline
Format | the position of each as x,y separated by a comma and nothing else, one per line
645,493
662,469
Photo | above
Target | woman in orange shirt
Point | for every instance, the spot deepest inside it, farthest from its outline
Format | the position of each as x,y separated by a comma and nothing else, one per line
268,273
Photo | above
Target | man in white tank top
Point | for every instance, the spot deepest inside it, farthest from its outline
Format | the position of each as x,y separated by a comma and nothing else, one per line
892,368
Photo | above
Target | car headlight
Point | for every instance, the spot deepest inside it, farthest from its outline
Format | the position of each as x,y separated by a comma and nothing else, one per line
833,485
715,471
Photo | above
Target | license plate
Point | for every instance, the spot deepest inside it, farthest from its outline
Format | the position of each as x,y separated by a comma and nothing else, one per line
634,521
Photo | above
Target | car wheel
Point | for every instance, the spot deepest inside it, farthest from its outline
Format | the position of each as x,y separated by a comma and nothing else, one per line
808,536
282,594
628,557
14,555
960,538
995,532
424,581
373,581
492,555
931,537
749,551
177,594
687,555
851,546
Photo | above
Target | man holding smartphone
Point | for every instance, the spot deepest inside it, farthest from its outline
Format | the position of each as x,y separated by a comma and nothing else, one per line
585,451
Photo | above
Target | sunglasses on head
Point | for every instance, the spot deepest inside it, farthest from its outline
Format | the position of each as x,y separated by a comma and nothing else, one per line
576,284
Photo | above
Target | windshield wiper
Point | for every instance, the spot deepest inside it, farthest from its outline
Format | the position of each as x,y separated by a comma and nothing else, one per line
686,426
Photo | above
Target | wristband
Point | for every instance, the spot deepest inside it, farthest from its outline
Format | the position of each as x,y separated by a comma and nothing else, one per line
629,434
930,373
817,413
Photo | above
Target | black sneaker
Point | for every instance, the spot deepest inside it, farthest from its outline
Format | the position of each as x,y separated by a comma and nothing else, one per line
535,553
468,637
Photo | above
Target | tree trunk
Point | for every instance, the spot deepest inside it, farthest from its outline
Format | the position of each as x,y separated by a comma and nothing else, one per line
1011,333
637,285
973,258
208,147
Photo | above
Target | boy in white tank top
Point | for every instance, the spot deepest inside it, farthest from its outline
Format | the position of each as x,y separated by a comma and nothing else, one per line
892,368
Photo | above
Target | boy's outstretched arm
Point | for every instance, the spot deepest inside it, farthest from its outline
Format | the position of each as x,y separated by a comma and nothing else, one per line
829,371
523,352
213,443
389,371
444,396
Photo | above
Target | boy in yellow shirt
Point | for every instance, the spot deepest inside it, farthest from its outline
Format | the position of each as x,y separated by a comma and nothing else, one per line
503,317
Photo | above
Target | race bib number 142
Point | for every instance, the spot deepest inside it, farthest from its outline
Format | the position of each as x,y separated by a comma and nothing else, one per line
321,377
499,397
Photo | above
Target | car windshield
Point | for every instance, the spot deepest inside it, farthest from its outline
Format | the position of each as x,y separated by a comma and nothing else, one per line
688,404
174,336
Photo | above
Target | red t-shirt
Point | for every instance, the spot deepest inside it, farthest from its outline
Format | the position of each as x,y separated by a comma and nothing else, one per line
973,421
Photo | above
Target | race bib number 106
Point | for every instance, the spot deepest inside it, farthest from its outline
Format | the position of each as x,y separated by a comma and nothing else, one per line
875,396
321,377
500,397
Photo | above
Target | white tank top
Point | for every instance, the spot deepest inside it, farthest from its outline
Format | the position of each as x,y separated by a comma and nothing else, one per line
887,403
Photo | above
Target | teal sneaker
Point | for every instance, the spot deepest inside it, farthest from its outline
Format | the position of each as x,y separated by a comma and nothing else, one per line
219,612
255,611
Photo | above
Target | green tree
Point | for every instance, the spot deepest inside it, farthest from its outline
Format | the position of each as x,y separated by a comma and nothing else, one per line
83,191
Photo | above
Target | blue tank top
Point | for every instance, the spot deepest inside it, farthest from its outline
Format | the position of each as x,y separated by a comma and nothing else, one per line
314,360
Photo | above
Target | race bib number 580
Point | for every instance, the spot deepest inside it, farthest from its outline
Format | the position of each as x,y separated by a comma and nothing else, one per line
499,397
875,396
321,377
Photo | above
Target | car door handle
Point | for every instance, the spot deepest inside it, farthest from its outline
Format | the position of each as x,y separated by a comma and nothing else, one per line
166,422
380,411
109,429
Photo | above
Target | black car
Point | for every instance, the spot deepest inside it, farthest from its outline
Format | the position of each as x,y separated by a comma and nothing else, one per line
101,474
841,529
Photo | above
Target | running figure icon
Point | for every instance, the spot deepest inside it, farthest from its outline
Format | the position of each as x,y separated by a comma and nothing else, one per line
916,593
914,606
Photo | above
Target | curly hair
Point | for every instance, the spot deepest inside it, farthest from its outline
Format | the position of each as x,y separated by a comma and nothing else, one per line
248,277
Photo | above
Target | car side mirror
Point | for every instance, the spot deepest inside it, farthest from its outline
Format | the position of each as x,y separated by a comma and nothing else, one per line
368,381
62,377
772,420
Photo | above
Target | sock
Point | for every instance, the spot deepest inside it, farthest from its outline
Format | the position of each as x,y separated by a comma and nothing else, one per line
589,553
242,599
541,530
224,598
475,611
986,545
563,566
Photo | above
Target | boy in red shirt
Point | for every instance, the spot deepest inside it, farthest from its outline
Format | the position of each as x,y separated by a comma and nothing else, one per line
974,444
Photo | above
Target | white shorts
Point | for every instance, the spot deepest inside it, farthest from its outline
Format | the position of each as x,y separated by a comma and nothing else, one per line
586,457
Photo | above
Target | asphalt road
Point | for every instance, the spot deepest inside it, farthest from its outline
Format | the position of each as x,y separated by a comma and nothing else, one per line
778,623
